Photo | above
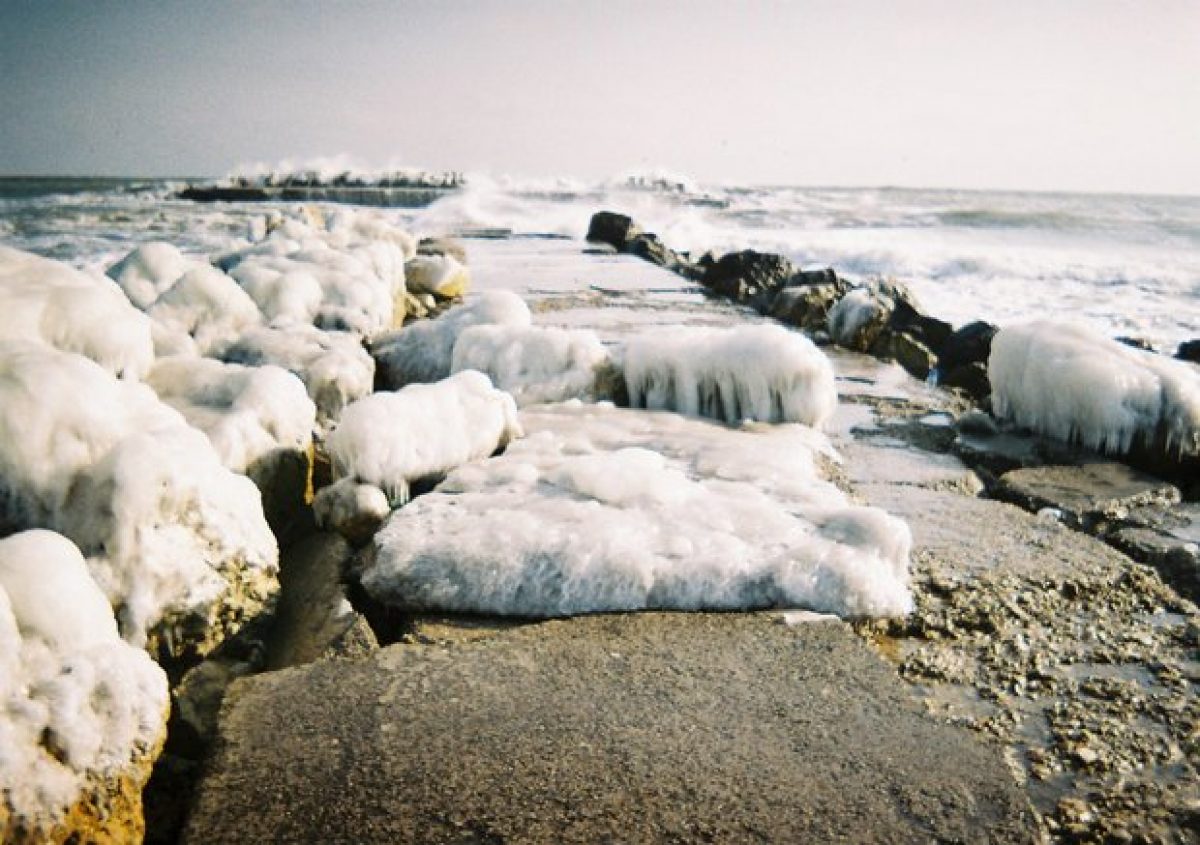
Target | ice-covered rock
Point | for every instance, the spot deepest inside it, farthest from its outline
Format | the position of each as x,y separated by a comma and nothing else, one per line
48,301
858,318
605,509
441,275
533,363
334,366
353,510
761,372
392,439
424,351
177,542
205,308
149,270
347,278
82,712
1071,383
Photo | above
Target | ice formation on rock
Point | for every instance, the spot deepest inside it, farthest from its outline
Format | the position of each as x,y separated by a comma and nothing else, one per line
533,363
246,412
47,301
442,275
82,709
424,351
761,372
334,366
352,509
177,542
852,316
349,278
392,439
203,311
605,509
149,270
1071,383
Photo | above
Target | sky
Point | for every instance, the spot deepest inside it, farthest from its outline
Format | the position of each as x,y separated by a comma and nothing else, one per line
1089,95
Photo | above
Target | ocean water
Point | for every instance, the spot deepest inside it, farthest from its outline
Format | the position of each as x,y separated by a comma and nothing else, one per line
1127,265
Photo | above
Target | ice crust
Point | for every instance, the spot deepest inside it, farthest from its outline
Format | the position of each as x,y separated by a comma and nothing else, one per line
167,529
334,366
605,509
149,270
47,301
423,352
391,439
760,372
246,412
1069,382
348,275
79,703
533,363
851,313
203,311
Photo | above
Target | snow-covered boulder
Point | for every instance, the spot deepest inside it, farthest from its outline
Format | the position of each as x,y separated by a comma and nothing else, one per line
390,440
533,363
177,542
763,372
334,366
858,318
440,275
149,270
347,279
205,310
352,509
424,351
606,509
48,301
82,712
1071,383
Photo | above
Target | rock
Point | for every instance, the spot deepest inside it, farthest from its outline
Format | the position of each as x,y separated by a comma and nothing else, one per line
1087,494
806,307
741,275
975,421
912,354
969,345
353,510
1176,559
971,379
858,319
614,229
1137,343
906,318
451,247
512,737
284,478
1189,350
440,275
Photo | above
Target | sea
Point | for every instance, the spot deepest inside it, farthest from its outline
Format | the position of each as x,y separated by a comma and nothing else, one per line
1127,265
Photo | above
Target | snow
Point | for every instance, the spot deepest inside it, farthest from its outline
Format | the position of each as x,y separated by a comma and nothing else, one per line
392,439
350,277
606,509
1069,382
204,310
246,412
424,351
148,271
760,372
48,301
346,504
334,366
533,363
79,703
167,529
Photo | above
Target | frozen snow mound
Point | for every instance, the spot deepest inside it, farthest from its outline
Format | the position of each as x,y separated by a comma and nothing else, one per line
423,352
763,373
335,367
1071,383
149,270
177,542
246,412
48,301
606,509
349,279
82,709
533,363
203,311
390,439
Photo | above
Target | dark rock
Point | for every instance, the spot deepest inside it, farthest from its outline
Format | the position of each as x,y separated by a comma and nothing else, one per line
907,319
1189,350
452,247
741,275
614,229
971,379
912,354
975,421
817,277
807,306
1137,343
1176,560
1087,495
649,247
969,345
858,319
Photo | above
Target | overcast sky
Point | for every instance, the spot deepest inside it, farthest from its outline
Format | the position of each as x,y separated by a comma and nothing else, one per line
1044,94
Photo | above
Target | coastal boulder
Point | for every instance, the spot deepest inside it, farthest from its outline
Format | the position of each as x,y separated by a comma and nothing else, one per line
353,510
1189,350
616,230
962,359
857,320
742,275
146,272
451,247
807,300
440,275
